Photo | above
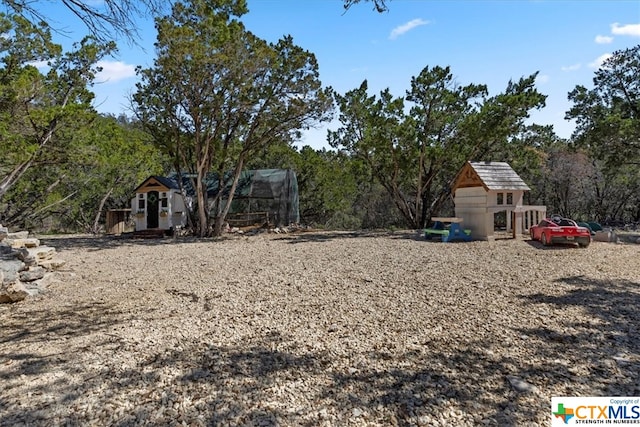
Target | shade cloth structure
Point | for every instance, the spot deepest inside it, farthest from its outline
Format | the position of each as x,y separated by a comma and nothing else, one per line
271,191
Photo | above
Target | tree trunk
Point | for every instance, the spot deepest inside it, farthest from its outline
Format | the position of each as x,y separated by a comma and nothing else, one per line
19,170
201,195
220,218
425,216
96,220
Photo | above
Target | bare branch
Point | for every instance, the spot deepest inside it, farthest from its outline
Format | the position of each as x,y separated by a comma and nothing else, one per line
109,20
378,5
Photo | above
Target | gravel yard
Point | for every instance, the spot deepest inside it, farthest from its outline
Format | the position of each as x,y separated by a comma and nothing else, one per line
320,329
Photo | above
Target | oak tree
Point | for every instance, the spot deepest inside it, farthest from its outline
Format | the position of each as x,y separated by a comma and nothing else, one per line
217,95
37,109
415,155
608,115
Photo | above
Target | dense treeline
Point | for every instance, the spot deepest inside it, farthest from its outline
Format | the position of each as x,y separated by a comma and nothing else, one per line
391,161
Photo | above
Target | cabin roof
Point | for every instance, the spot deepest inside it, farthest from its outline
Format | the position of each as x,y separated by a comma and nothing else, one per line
493,176
169,183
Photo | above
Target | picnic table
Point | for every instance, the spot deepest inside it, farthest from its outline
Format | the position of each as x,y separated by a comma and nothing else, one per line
448,228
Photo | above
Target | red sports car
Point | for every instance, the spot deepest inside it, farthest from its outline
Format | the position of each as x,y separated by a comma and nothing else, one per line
560,230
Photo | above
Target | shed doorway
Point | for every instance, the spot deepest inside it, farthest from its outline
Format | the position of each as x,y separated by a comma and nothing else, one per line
500,221
152,209
503,225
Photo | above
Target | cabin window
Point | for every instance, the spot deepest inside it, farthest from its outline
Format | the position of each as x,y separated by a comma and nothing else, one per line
164,202
509,198
141,204
500,198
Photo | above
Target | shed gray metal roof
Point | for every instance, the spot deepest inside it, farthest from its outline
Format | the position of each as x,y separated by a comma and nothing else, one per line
167,182
498,176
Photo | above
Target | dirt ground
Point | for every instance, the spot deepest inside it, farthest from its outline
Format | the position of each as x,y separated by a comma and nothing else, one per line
320,329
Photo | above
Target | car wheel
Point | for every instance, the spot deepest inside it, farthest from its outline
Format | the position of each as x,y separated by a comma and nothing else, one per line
543,239
583,245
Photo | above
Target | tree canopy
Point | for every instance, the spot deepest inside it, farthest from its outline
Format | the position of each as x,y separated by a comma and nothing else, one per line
217,95
608,115
608,129
59,157
415,155
35,108
219,99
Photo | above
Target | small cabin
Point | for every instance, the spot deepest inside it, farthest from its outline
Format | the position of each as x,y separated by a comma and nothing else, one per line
158,205
489,195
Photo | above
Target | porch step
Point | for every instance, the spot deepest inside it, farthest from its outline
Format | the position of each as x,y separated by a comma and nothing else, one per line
152,233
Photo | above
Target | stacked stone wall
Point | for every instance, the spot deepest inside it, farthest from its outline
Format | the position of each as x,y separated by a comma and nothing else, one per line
26,267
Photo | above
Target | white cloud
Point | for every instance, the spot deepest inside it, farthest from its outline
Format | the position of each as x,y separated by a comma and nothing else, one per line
400,30
542,78
625,30
113,71
39,64
603,39
599,60
572,67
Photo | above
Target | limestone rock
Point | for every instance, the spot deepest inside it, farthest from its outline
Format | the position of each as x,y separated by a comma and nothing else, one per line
6,250
32,274
52,264
42,252
23,255
520,385
39,286
11,268
25,266
18,235
23,243
12,292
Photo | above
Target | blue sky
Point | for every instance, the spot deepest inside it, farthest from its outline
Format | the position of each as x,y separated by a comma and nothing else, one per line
484,42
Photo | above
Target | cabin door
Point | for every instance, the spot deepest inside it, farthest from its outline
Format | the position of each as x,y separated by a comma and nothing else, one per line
152,209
